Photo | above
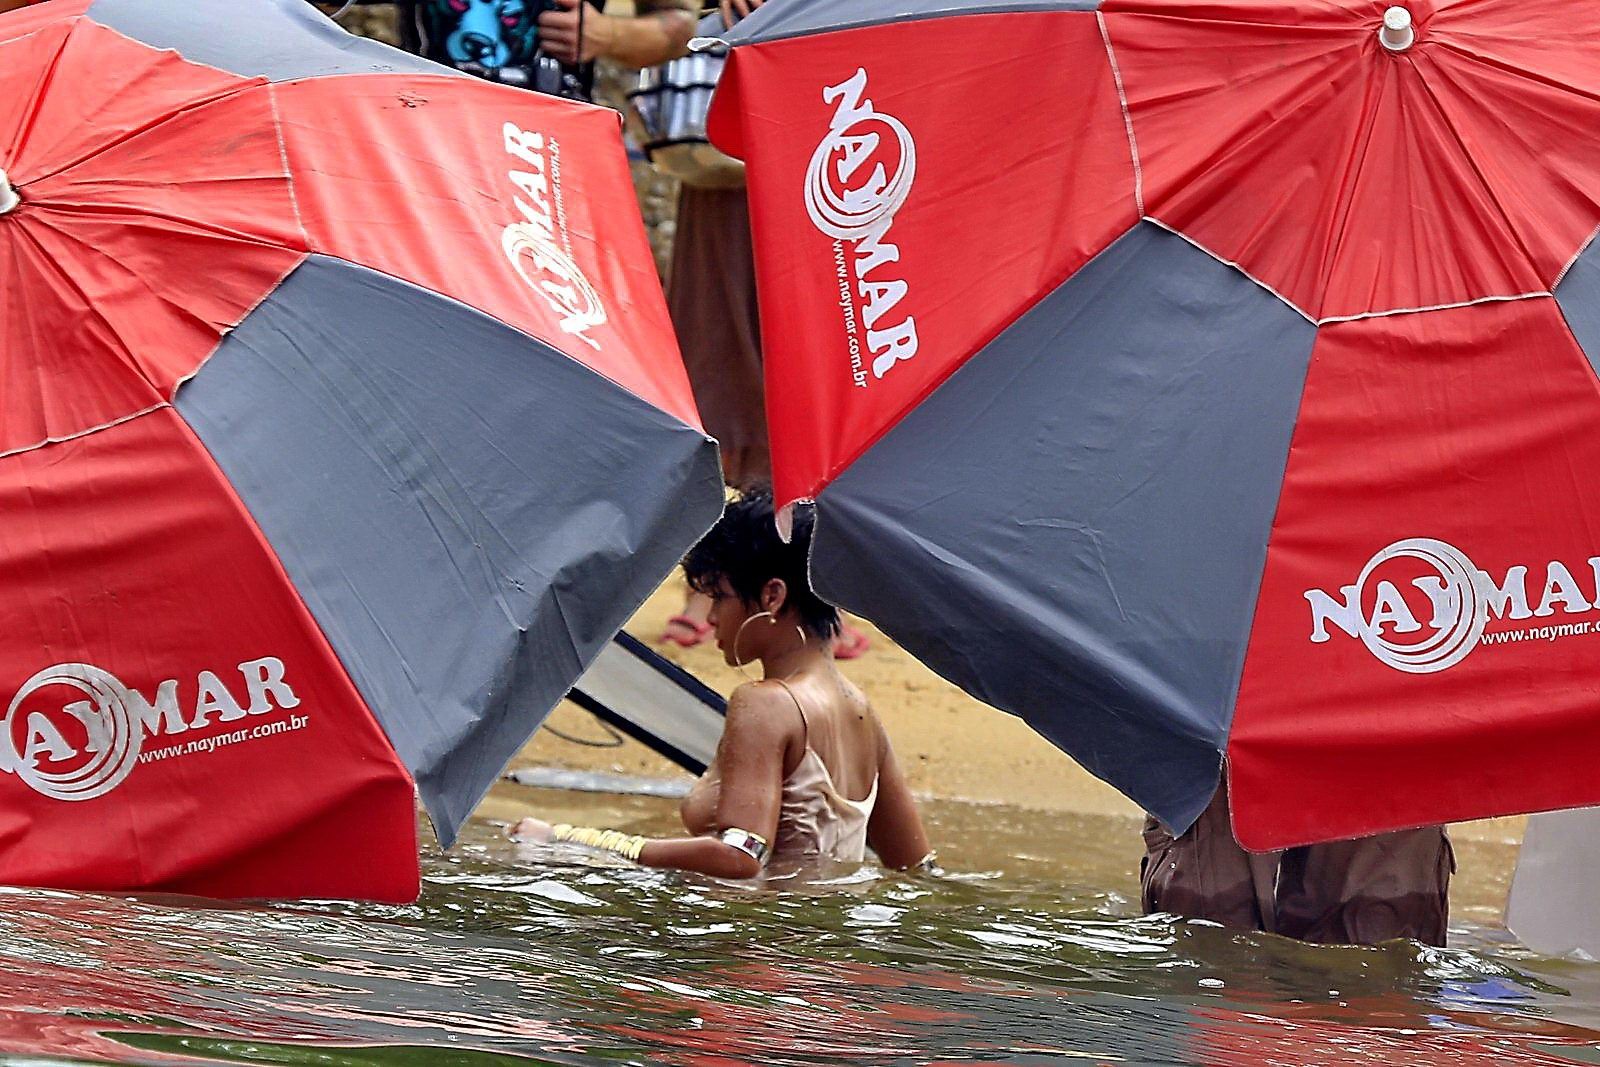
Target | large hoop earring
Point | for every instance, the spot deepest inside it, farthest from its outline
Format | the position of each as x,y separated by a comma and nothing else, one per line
738,664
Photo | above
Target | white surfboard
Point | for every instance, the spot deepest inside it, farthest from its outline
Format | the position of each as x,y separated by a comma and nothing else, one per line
1554,907
653,701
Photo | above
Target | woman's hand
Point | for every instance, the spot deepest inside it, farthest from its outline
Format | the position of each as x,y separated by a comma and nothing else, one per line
734,10
531,831
559,36
642,41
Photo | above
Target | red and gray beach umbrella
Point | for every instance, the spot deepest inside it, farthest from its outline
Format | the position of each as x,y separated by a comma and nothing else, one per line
1203,378
341,424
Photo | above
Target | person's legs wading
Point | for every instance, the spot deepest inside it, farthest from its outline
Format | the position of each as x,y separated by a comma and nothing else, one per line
1205,874
1368,890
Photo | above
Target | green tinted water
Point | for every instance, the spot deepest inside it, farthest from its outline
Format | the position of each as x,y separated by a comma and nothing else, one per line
1028,953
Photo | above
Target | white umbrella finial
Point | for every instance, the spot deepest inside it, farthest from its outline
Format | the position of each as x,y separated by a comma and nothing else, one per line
8,196
1397,34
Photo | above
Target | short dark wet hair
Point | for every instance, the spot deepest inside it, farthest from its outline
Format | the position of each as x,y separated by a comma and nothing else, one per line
744,548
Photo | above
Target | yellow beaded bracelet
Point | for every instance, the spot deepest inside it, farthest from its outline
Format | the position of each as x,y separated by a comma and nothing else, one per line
626,845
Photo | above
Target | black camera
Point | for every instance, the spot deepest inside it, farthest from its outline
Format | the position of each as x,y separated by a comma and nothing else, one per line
497,40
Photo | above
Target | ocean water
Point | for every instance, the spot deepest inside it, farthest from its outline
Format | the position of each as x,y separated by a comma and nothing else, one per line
1028,951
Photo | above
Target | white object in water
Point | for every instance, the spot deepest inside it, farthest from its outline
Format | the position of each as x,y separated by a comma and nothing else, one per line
1397,34
8,196
601,782
1552,906
657,703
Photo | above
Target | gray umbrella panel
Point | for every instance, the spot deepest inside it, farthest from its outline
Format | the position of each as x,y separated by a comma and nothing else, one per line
1578,294
450,512
1118,595
771,22
280,40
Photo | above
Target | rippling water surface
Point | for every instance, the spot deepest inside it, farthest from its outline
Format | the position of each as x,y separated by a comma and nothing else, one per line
1028,952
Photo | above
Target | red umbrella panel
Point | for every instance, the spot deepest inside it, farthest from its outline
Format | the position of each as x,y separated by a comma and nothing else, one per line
341,425
1203,379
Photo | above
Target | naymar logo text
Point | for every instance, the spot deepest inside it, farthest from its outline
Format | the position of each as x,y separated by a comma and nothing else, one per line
1421,606
75,732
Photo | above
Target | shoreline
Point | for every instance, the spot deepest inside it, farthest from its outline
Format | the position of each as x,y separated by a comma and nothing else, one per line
952,747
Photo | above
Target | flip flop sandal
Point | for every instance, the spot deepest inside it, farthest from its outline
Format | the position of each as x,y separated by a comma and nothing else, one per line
850,643
697,634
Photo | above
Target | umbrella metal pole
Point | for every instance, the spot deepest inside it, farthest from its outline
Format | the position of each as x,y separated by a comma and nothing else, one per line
8,196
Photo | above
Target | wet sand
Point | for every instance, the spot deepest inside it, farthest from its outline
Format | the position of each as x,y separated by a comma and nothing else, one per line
959,752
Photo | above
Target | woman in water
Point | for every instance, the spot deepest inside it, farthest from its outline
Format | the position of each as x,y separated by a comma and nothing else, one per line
804,770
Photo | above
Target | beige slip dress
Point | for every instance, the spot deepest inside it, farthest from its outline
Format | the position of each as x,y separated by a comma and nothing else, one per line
815,820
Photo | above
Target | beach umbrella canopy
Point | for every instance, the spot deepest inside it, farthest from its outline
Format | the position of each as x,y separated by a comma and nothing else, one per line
1203,378
341,425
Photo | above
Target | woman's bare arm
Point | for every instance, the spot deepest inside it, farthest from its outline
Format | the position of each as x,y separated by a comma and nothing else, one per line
895,829
703,855
653,36
751,758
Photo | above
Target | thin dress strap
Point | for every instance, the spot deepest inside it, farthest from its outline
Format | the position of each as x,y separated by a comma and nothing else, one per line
805,727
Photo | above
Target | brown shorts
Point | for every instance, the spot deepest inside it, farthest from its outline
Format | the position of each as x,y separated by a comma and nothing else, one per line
1356,892
1206,875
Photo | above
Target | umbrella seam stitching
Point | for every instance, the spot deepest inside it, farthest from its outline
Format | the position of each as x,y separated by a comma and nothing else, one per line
1138,195
30,115
1573,262
1012,7
118,421
1230,263
283,158
249,79
244,85
1493,298
528,333
1386,313
1127,113
305,253
223,335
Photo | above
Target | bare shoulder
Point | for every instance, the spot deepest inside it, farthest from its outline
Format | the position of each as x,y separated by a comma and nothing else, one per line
762,709
857,705
856,700
762,726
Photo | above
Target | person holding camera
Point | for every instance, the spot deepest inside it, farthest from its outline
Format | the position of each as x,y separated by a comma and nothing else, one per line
548,46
